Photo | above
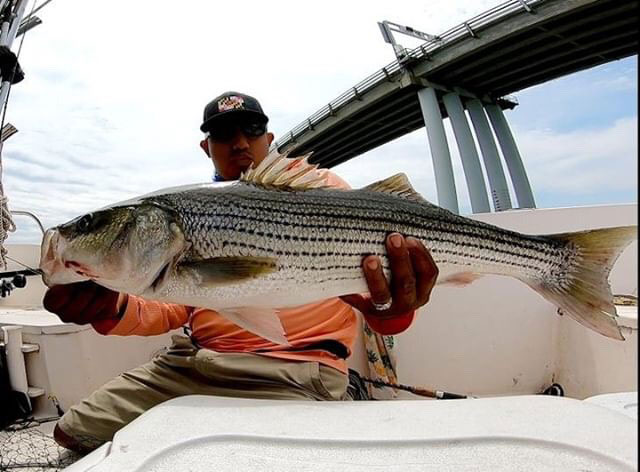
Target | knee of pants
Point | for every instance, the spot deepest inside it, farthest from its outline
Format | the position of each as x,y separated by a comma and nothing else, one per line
80,443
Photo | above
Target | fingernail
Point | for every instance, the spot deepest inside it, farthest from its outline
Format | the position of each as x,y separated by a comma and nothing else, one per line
372,264
396,241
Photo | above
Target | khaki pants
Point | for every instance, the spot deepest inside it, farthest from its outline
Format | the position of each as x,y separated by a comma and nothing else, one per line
186,370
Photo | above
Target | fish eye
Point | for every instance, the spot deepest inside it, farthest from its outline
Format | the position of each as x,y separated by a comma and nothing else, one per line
84,224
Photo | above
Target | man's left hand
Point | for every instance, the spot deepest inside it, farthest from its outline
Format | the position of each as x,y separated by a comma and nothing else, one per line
413,275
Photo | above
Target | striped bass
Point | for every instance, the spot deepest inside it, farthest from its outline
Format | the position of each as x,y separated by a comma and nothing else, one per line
279,238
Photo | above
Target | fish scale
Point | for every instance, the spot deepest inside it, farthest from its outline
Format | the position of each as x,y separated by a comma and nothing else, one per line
251,223
278,239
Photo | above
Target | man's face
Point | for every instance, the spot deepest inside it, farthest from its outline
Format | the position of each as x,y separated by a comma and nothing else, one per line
234,146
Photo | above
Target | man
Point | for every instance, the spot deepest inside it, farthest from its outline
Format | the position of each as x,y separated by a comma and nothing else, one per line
221,358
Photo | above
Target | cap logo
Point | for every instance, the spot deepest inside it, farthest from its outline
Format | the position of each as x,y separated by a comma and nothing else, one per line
232,102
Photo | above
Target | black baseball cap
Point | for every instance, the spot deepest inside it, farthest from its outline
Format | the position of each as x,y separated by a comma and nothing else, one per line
231,106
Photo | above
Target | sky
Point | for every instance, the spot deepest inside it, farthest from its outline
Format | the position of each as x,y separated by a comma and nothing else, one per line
113,94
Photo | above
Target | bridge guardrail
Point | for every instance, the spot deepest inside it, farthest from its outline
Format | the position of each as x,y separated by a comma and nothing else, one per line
461,31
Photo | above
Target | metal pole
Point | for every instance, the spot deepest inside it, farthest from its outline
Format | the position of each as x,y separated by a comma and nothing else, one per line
4,84
36,10
4,33
492,164
512,157
7,35
2,4
445,183
468,153
15,24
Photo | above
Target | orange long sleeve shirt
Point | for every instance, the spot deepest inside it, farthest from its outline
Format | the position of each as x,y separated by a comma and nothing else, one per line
304,325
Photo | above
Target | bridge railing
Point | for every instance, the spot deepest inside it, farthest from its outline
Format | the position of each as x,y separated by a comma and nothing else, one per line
425,50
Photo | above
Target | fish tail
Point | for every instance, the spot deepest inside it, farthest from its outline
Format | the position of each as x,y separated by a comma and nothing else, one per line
584,292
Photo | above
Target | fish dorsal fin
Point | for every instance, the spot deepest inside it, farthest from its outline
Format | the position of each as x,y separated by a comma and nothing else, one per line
279,170
399,186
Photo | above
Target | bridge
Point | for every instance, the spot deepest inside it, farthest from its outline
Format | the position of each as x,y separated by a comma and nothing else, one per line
472,67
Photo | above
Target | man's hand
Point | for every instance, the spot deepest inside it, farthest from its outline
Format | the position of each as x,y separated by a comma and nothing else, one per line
413,275
83,302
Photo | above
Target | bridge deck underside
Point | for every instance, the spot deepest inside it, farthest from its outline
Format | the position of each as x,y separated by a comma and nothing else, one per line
564,43
600,33
395,115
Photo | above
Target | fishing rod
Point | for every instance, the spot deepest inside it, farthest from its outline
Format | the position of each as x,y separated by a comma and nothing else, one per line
421,391
27,271
553,390
18,277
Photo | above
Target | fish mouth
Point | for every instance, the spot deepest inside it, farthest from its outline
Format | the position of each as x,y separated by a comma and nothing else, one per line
49,261
80,269
55,270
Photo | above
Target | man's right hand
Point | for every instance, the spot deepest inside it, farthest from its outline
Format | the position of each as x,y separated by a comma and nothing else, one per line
83,302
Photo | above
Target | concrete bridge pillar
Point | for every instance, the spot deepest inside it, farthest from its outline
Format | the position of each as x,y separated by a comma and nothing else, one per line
492,164
445,183
468,153
519,178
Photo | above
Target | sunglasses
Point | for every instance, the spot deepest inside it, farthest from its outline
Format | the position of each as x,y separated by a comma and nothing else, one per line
226,133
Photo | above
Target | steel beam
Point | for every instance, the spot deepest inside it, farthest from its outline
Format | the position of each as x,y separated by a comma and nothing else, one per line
512,157
468,154
445,183
492,164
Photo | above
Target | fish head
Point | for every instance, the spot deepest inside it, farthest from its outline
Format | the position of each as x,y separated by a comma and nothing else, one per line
127,248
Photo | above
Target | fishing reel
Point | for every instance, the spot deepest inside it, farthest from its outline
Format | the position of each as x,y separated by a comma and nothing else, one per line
17,281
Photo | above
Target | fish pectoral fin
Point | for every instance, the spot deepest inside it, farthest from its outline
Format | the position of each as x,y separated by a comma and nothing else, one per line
226,270
264,322
459,279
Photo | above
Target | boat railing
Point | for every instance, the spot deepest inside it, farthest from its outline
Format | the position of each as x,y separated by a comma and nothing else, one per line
31,215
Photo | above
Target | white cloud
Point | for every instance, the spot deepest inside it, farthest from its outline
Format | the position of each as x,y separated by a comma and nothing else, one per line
584,161
619,83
